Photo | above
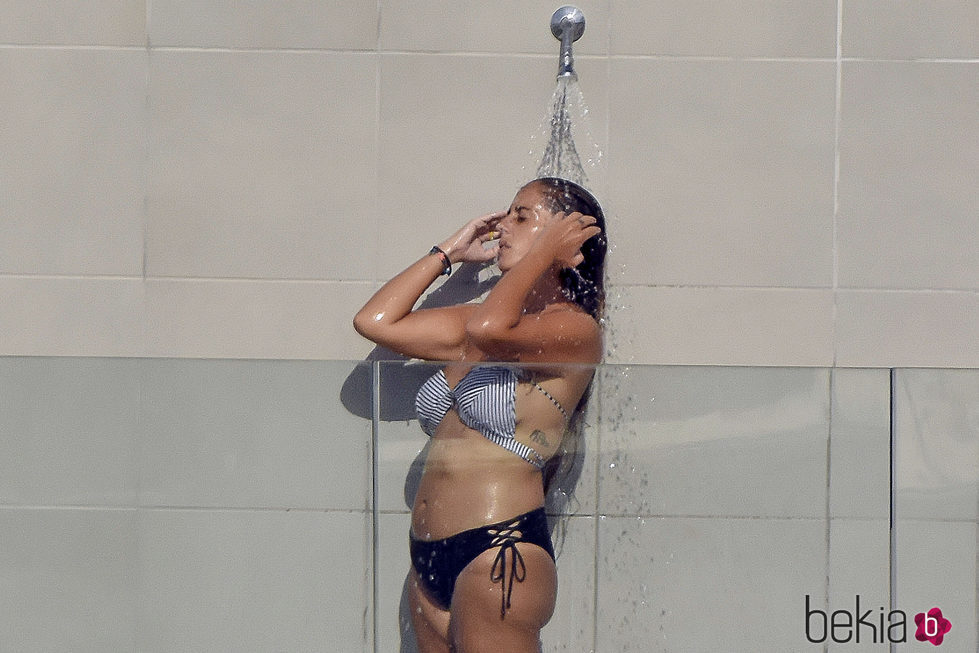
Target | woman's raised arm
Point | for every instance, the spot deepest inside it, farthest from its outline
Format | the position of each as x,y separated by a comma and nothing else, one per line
432,334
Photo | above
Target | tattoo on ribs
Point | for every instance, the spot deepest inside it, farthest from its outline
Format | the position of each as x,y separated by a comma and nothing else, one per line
538,437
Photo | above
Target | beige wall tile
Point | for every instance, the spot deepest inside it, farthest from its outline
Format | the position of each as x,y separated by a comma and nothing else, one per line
721,326
722,172
936,430
269,434
72,172
707,584
731,28
242,319
572,626
68,428
351,24
858,565
262,164
394,630
73,22
860,443
911,30
70,317
709,441
245,580
907,329
909,161
506,26
69,578
401,456
450,152
923,583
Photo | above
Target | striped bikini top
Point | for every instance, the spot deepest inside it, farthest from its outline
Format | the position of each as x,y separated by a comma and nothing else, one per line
485,401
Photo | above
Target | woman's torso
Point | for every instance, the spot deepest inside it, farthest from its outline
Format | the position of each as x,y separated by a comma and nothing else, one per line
470,480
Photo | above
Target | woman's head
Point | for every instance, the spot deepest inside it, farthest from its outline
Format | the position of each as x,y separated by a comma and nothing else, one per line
533,204
585,284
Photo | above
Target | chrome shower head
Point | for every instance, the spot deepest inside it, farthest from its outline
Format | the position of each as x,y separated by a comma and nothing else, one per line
567,26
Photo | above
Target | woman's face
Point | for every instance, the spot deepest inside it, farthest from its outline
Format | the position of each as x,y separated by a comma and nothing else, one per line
519,227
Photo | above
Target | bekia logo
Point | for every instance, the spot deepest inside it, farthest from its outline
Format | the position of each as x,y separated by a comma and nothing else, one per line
842,626
932,626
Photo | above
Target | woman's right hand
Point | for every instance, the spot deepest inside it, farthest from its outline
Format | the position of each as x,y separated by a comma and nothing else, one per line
466,245
563,236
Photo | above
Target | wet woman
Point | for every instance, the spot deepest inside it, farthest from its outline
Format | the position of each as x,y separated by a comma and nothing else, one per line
484,577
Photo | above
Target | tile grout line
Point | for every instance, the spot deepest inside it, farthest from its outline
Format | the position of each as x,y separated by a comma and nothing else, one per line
595,516
487,53
147,117
837,122
375,272
376,364
891,499
601,404
375,502
829,486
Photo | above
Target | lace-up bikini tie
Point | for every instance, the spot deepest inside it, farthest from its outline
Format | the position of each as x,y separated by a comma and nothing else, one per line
506,538
438,563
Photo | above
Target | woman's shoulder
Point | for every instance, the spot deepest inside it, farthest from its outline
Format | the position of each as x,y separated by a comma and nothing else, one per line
571,313
577,335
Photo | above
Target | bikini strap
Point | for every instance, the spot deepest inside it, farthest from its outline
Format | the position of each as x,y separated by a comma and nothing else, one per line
547,394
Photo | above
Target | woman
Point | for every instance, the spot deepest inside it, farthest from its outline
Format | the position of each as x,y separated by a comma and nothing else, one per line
484,575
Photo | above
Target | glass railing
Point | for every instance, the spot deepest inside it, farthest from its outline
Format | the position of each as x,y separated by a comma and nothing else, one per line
261,505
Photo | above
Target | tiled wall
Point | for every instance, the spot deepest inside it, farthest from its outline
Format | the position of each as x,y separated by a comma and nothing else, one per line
182,505
788,182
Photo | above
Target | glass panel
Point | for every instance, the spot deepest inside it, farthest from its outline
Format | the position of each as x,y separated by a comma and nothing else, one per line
250,433
859,487
66,431
936,419
68,550
401,448
254,486
712,489
202,502
160,505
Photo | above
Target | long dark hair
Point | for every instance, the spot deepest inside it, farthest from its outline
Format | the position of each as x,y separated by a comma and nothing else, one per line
585,284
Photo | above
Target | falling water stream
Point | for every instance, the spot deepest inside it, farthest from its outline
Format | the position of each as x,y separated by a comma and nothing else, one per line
560,157
564,147
556,153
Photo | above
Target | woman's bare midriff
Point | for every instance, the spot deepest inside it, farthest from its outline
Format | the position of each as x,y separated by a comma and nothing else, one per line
469,481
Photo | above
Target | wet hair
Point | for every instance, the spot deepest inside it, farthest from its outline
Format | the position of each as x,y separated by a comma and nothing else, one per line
585,284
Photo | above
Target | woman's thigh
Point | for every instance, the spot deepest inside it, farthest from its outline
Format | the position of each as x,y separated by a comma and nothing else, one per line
430,622
476,624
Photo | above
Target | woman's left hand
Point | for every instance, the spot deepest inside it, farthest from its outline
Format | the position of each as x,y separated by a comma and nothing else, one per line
563,236
466,245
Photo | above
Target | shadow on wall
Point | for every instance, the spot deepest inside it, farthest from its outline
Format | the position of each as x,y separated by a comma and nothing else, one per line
400,383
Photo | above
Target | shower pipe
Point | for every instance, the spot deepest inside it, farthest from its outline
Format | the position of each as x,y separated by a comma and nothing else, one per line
567,26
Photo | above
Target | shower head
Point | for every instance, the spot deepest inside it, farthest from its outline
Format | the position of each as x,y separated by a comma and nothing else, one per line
567,26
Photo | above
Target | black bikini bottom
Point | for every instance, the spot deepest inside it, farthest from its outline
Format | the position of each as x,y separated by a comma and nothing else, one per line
439,562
